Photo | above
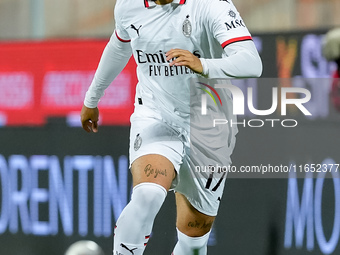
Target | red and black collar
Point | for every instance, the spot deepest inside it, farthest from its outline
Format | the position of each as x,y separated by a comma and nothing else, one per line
150,3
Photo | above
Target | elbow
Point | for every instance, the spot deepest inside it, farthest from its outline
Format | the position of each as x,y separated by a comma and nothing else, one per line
257,69
260,67
250,65
253,61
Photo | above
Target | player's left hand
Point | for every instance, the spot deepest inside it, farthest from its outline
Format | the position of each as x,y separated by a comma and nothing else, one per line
184,58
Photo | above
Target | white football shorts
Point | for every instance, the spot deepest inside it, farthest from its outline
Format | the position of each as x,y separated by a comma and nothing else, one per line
200,160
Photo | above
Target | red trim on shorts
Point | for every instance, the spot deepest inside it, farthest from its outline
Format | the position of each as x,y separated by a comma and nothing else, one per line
237,39
120,39
182,2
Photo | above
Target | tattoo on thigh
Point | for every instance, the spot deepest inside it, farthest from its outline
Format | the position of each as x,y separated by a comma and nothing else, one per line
200,225
149,170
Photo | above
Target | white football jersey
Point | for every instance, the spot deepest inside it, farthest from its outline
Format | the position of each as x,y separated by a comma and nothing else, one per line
203,27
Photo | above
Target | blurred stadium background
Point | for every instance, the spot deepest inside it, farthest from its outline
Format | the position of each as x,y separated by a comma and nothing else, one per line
59,185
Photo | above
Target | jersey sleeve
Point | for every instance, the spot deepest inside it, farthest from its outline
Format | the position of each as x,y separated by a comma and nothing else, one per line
240,60
120,30
225,22
113,60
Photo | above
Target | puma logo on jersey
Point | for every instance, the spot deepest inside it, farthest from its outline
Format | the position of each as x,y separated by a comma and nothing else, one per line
125,247
137,29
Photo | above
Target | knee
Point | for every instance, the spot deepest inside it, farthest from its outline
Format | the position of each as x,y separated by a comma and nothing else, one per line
190,245
149,196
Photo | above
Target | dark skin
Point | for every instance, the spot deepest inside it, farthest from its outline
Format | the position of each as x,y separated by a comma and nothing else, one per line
156,168
184,58
90,116
89,119
163,2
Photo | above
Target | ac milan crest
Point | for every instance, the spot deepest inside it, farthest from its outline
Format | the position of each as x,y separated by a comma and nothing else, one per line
186,27
138,142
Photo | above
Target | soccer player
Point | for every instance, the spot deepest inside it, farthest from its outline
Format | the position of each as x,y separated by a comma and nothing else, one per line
172,41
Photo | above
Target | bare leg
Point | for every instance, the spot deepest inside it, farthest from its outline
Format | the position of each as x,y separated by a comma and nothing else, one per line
193,228
153,168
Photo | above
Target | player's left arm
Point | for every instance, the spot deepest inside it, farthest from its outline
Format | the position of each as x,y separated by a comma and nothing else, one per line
184,58
241,60
240,57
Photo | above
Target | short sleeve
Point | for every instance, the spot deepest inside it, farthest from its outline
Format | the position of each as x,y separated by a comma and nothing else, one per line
225,22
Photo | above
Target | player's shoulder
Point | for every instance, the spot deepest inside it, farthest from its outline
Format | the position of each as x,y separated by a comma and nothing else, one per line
127,8
215,7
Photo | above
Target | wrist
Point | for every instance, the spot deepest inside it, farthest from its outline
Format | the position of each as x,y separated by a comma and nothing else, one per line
205,70
90,100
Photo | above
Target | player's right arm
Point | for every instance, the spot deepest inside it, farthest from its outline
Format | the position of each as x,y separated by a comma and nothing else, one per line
113,60
89,119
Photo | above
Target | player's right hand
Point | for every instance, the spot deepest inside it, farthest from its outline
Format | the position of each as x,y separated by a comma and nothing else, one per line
89,119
